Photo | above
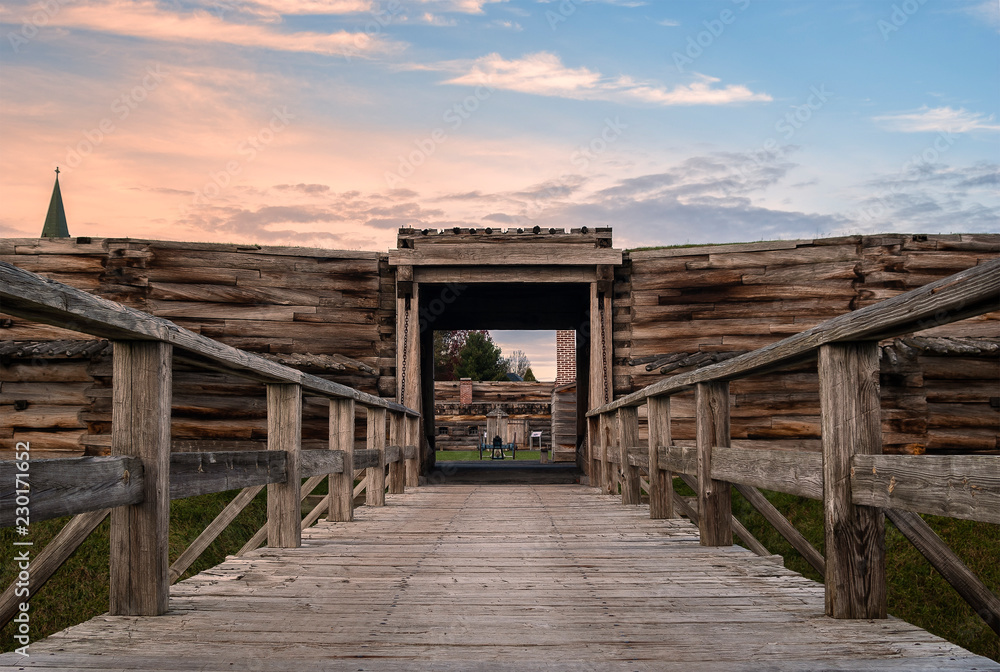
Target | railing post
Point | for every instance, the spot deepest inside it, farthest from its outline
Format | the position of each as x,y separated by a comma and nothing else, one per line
284,432
628,437
397,469
412,440
607,466
342,438
851,425
140,426
661,486
712,429
375,492
593,451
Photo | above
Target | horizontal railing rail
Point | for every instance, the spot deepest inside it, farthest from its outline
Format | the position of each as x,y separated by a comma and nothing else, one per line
857,484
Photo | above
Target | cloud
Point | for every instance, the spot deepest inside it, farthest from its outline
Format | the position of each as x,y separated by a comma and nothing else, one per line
670,23
987,11
544,74
938,119
148,20
459,6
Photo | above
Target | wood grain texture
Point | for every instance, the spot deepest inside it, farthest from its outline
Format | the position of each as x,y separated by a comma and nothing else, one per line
950,566
781,524
193,474
342,439
473,579
412,452
69,486
321,462
284,432
661,484
714,501
855,535
795,472
628,438
140,427
530,254
959,486
375,492
396,480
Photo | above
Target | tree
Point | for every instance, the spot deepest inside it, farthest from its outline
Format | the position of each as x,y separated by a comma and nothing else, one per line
481,359
447,346
518,363
529,376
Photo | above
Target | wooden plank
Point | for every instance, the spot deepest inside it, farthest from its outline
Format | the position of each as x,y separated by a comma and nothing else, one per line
959,486
467,274
956,297
214,529
534,254
679,458
795,472
661,503
607,466
375,494
69,486
140,427
284,432
366,459
951,567
262,534
321,462
193,474
855,535
712,428
412,452
45,564
628,437
780,523
342,439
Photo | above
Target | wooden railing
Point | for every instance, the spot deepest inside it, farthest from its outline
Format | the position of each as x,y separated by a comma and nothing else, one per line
857,484
136,483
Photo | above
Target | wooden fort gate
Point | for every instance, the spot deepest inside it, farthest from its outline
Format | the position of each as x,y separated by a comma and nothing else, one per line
489,279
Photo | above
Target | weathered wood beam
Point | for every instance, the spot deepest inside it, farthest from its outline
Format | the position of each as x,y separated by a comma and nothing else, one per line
397,468
284,432
661,486
794,472
45,564
375,494
261,535
784,527
951,567
855,535
198,473
535,254
679,458
412,452
214,529
712,429
956,297
70,486
628,437
342,439
140,427
959,486
366,459
321,462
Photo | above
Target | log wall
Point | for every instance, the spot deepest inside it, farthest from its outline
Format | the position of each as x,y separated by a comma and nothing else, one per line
460,426
676,309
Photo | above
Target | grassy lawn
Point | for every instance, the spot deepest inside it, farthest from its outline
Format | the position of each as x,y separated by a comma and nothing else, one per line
464,455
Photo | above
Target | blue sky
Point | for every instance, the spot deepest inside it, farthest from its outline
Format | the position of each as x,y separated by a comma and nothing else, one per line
331,123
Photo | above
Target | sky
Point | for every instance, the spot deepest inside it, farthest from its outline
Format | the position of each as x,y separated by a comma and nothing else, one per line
331,123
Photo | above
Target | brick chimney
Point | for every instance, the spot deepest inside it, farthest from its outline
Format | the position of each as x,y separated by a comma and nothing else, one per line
565,357
465,391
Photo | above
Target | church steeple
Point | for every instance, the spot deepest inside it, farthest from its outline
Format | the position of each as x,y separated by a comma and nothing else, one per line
55,220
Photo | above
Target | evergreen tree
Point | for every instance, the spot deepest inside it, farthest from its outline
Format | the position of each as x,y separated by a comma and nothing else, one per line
481,359
529,376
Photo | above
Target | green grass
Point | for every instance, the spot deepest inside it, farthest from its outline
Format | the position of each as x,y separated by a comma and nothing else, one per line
464,455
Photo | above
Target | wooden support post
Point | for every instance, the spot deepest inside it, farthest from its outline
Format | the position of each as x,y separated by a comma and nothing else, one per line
855,535
397,469
593,452
140,426
661,485
284,432
342,438
712,429
375,493
608,482
412,439
628,437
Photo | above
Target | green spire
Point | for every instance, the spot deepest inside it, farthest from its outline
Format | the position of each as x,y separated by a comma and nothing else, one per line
55,220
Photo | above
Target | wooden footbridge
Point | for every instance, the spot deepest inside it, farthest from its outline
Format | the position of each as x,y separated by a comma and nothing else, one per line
483,577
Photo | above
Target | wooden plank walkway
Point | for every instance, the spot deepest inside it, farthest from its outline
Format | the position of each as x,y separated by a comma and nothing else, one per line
496,577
